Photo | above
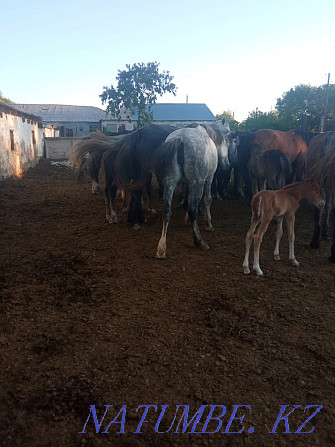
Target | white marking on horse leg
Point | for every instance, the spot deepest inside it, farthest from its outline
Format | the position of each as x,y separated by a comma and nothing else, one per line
248,241
168,194
257,243
95,187
279,234
291,236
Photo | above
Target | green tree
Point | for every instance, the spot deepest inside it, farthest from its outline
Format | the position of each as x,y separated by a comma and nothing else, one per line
228,116
261,120
5,100
302,107
137,89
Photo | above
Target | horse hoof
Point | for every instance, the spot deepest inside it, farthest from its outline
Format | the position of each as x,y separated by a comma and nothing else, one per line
136,227
276,257
160,255
294,262
246,271
112,220
211,228
203,245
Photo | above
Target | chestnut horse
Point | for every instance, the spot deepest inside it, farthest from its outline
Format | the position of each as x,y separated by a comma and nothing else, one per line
293,144
320,162
279,204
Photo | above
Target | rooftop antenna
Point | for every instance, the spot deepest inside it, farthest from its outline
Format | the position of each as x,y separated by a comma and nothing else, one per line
186,99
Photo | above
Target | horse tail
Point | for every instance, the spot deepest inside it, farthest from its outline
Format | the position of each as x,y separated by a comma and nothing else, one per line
257,205
164,156
86,155
127,167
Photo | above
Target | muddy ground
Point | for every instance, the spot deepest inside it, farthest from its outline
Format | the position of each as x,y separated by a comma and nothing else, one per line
90,317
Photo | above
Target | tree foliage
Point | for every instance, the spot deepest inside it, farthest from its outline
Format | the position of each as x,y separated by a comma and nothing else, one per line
5,100
302,107
137,89
261,120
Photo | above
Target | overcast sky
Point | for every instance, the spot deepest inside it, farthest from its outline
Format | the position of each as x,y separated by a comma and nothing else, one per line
232,55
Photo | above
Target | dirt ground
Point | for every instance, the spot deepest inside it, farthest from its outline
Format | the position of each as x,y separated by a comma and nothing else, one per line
90,317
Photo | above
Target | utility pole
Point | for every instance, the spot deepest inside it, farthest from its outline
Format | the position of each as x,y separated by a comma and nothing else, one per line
323,117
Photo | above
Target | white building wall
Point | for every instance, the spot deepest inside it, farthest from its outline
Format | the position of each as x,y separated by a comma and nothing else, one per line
23,153
59,148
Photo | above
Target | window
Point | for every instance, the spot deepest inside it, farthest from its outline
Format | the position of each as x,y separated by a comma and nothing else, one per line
33,137
69,132
12,145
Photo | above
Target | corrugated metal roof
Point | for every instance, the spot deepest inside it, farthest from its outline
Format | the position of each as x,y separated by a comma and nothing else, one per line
54,113
180,112
57,113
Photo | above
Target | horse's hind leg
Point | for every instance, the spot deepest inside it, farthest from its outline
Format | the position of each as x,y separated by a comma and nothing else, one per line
168,194
315,242
208,202
135,213
194,199
279,234
110,193
291,236
326,215
148,187
248,241
257,243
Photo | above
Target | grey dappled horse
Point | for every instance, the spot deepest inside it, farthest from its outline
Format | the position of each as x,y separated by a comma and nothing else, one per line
191,155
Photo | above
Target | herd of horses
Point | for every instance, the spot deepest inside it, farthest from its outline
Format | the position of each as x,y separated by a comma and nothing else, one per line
199,158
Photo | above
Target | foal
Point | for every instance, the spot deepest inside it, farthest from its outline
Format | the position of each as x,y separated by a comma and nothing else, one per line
279,204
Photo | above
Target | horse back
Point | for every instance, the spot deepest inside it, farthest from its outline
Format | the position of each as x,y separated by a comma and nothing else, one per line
290,143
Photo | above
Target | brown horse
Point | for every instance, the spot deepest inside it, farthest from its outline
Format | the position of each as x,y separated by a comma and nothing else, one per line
282,203
293,144
320,162
270,167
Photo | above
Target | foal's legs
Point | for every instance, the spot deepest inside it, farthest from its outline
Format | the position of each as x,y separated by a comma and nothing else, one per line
290,219
257,243
279,234
248,241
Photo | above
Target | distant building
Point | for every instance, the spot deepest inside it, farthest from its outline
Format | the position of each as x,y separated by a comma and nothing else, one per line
77,121
180,114
22,140
73,121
